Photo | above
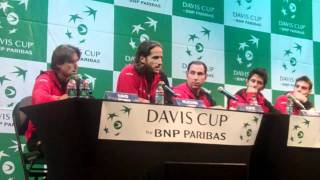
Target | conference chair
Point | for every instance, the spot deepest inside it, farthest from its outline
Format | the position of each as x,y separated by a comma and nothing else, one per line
32,162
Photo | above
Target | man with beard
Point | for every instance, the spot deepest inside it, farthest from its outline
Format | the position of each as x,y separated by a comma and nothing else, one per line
51,85
142,76
300,93
196,77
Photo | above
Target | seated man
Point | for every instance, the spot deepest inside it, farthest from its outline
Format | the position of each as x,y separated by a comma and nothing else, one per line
301,92
256,81
196,77
143,75
51,85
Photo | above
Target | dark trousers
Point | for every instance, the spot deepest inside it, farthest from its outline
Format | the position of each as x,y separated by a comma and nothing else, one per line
35,144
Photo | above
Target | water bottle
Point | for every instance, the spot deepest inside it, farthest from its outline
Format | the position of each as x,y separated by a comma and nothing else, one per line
254,101
159,99
72,87
85,90
289,107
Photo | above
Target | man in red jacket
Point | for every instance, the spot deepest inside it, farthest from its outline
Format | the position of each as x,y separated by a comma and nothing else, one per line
142,76
51,85
301,92
256,81
196,77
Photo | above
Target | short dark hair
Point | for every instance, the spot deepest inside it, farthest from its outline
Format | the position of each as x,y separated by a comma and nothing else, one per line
197,62
260,72
305,79
62,54
144,50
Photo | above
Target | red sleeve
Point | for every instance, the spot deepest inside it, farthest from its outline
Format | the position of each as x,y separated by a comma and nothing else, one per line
180,94
181,91
233,104
281,104
42,91
127,83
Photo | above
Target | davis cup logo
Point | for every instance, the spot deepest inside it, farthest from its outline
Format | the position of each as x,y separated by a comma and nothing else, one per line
195,48
141,31
114,121
290,58
289,9
245,56
247,132
298,131
8,167
11,21
244,4
78,22
10,91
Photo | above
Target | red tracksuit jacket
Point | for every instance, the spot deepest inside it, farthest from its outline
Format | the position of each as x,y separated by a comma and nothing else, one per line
184,92
130,81
46,88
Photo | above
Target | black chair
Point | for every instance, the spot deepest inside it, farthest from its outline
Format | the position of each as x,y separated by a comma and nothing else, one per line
29,159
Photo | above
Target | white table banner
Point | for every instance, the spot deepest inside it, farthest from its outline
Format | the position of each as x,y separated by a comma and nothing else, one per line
145,122
304,131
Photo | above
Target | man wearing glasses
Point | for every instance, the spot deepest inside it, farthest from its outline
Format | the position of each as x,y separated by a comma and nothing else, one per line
252,95
299,96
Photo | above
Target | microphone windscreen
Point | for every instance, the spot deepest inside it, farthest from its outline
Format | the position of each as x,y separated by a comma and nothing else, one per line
220,89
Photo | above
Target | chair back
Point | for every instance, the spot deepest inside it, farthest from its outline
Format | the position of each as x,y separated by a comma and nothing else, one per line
20,119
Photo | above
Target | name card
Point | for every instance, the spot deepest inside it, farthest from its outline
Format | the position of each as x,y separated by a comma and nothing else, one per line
117,96
309,113
188,102
249,108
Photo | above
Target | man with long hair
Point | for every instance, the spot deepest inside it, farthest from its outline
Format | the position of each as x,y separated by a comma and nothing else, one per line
142,76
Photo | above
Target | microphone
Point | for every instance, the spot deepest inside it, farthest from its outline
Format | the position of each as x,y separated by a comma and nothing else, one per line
227,93
206,90
169,90
296,101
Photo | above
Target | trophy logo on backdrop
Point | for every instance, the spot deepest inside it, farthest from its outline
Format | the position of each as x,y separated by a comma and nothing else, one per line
245,4
289,9
79,23
141,31
290,57
11,22
7,167
7,81
196,48
245,56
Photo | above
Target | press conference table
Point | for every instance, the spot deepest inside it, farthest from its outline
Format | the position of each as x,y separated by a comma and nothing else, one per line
69,130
